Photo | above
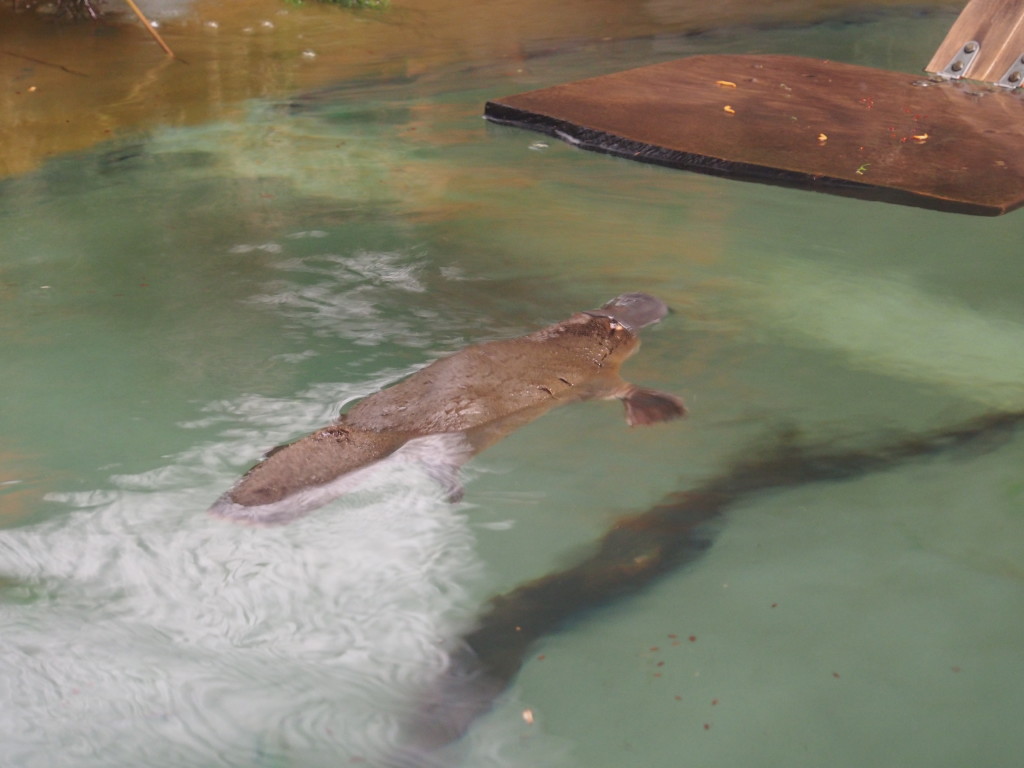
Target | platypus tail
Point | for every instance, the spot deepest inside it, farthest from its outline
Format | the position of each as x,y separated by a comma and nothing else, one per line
297,478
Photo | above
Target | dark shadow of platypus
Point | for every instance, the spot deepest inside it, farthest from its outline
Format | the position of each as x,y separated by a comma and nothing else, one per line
456,407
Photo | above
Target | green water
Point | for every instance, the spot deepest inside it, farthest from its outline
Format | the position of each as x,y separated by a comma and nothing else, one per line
174,304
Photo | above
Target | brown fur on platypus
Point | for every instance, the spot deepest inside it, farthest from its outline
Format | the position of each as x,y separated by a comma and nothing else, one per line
457,406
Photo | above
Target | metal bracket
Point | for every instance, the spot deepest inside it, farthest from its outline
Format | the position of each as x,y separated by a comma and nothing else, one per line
961,61
1014,77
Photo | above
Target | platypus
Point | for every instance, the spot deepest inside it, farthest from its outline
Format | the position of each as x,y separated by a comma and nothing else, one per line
455,407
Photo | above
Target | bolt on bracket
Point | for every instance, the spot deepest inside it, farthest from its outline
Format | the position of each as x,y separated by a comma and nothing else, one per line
1014,77
961,61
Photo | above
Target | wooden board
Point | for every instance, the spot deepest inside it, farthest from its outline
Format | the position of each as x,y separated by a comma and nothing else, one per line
997,26
799,122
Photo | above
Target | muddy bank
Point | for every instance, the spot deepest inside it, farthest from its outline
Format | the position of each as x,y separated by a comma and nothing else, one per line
68,85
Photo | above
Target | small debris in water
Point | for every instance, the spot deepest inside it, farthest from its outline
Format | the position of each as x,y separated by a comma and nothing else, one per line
247,248
538,145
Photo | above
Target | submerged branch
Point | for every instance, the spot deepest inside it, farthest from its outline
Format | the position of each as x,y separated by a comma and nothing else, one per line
639,549
45,63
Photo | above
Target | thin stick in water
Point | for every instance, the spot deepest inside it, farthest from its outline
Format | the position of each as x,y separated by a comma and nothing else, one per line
152,30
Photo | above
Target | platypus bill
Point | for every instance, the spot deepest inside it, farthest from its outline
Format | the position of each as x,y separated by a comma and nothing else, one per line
451,410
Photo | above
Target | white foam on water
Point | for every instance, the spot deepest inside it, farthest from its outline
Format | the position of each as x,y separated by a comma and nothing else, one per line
154,634
352,295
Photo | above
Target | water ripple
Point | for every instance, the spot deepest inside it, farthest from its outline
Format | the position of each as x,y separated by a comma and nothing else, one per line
360,297
158,635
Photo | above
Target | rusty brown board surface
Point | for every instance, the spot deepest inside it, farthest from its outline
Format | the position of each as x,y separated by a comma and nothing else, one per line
823,125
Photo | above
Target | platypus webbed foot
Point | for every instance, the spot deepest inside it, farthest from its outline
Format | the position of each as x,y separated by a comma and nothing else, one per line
650,406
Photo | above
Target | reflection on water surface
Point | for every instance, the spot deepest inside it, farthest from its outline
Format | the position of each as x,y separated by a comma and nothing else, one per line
71,85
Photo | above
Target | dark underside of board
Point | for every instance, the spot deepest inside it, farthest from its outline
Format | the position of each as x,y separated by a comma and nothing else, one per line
822,125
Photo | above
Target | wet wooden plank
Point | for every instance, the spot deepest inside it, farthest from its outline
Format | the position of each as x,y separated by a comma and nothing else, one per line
998,26
799,122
